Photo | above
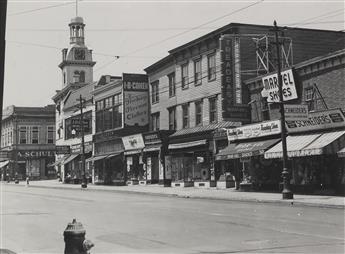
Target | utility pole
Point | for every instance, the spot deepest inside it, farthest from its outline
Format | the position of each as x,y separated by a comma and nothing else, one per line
3,10
81,105
287,193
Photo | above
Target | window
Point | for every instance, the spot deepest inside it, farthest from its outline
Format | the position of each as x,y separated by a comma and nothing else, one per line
82,76
172,85
211,67
155,121
50,134
155,92
172,118
213,109
198,113
184,78
109,113
185,116
34,135
265,109
22,135
309,97
197,72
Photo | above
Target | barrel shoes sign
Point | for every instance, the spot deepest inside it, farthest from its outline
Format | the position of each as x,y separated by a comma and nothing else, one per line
254,130
136,99
317,120
271,87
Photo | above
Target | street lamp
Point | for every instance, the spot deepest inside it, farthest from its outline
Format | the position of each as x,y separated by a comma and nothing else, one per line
287,193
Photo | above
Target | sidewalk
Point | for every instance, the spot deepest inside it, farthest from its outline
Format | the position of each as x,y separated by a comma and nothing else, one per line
201,193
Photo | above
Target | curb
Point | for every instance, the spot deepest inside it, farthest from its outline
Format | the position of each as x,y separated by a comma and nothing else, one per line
173,195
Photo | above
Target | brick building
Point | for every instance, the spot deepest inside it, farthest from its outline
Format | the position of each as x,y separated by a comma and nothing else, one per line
313,143
198,88
28,138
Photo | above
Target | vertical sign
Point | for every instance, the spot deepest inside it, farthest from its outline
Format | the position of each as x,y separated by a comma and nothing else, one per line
136,99
225,43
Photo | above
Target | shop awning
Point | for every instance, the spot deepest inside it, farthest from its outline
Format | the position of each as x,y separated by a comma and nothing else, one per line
70,158
96,158
308,145
188,144
113,155
248,149
3,163
341,153
58,162
153,148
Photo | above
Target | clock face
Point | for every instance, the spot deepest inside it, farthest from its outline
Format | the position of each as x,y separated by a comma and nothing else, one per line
79,54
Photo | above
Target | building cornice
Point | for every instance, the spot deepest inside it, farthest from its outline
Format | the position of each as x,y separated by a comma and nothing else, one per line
79,63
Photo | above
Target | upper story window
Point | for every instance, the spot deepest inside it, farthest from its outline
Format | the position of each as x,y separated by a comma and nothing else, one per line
172,118
211,67
155,92
197,71
172,84
213,109
309,97
50,134
185,116
184,76
155,121
109,113
198,113
34,135
22,135
265,109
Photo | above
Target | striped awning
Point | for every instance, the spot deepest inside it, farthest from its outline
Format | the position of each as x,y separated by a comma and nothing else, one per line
309,144
188,144
246,149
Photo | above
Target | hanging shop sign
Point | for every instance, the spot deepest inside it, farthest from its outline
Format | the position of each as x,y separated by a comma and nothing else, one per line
62,149
271,87
77,148
321,120
296,112
133,142
152,138
254,130
136,99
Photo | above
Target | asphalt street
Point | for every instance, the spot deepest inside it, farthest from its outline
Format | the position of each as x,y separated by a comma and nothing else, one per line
33,221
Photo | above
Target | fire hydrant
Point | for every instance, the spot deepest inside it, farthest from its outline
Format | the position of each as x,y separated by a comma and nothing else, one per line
75,242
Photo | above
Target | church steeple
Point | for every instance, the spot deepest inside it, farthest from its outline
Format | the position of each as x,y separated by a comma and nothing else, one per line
77,64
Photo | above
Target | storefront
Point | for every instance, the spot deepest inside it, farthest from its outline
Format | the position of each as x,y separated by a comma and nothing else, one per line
72,165
156,146
136,170
341,173
243,159
312,147
191,155
107,164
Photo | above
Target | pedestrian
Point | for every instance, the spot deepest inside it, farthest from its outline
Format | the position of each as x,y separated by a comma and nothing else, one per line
27,181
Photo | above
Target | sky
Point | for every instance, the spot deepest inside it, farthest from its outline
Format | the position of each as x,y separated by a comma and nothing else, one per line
140,32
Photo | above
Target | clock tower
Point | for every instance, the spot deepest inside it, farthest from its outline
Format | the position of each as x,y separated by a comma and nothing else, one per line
77,64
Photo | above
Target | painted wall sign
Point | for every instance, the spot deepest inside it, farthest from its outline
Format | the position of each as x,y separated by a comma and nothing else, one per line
133,142
317,121
136,99
296,112
254,130
271,88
